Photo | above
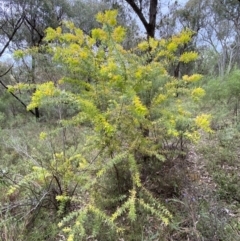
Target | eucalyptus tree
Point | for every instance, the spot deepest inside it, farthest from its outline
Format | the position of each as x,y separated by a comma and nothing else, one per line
10,22
217,28
162,19
216,25
83,13
228,16
23,25
148,12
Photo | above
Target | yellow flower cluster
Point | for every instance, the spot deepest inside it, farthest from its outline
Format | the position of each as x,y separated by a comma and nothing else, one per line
193,136
143,46
100,34
166,54
108,70
109,17
62,198
183,38
47,88
119,34
139,73
67,230
147,45
83,53
70,25
203,122
142,71
139,107
70,237
173,132
69,37
159,99
153,43
101,124
188,57
43,90
172,47
192,78
197,93
43,135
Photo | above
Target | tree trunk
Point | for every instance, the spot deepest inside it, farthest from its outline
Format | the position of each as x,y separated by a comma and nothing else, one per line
152,18
150,26
37,114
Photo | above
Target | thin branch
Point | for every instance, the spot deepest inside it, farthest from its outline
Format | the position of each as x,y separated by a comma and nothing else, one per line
36,206
18,25
151,25
16,97
58,184
6,72
33,27
138,11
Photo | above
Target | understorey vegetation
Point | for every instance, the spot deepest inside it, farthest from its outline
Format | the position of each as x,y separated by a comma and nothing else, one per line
106,136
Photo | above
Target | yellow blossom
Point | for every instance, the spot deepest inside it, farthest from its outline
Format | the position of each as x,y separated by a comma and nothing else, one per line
119,34
193,136
185,36
61,81
68,37
139,107
167,55
143,46
172,47
69,25
51,35
80,36
43,135
173,132
70,237
162,42
159,99
67,230
188,57
203,122
83,54
60,224
117,77
192,78
91,42
197,93
153,43
100,34
109,69
139,73
109,17
100,17
36,99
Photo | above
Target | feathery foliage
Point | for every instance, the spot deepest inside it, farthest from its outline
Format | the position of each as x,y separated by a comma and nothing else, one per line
131,106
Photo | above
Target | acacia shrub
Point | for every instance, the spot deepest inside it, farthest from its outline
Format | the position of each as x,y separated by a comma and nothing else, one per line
133,109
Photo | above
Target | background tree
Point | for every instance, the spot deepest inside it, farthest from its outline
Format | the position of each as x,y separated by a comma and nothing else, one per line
216,26
149,13
29,21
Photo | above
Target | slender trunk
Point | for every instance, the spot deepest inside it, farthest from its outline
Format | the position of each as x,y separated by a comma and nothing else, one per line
152,18
37,114
149,25
33,44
